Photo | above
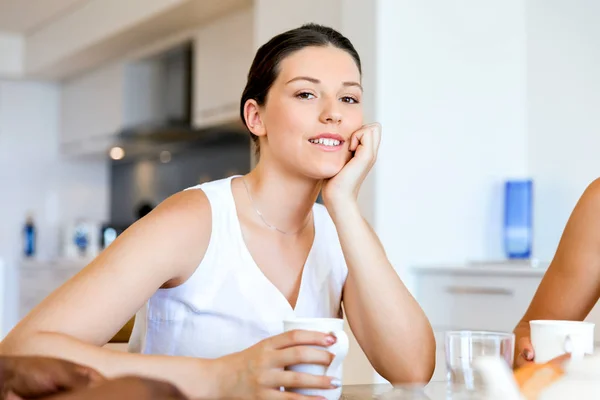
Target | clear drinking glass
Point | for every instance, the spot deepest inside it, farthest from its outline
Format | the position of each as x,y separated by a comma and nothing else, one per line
463,347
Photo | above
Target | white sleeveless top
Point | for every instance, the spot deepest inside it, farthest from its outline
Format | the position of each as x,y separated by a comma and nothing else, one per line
228,304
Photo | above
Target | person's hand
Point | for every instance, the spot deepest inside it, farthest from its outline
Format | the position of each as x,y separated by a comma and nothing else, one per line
259,371
32,377
345,186
125,388
524,353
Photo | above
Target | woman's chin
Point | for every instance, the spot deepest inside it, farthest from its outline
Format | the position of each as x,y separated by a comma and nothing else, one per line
325,171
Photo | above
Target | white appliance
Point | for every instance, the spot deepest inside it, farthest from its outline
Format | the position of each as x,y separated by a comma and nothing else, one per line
81,240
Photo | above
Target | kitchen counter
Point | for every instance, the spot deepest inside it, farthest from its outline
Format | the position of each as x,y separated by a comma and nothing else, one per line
55,263
501,268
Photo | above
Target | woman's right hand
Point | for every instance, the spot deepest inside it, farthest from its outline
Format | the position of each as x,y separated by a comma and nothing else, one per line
259,371
524,349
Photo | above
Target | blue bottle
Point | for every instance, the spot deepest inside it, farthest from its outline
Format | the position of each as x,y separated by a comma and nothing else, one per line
518,218
81,238
29,237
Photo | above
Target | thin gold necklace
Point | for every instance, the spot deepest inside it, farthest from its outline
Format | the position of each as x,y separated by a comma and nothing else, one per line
263,218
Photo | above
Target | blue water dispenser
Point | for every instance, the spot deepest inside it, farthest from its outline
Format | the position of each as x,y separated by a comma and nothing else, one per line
518,218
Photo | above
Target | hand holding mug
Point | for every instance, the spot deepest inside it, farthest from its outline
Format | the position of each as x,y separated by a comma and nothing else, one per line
260,371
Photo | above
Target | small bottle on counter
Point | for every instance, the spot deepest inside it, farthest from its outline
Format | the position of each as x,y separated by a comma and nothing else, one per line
518,218
29,236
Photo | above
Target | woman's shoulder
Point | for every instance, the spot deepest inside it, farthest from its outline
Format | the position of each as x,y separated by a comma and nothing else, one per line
181,225
189,211
184,205
589,202
593,191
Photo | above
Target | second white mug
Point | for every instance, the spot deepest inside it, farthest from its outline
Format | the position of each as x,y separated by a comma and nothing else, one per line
551,339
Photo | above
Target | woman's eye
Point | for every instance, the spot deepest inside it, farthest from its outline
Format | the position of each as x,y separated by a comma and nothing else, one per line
305,95
349,99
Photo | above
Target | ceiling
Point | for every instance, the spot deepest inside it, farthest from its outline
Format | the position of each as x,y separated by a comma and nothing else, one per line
24,16
46,25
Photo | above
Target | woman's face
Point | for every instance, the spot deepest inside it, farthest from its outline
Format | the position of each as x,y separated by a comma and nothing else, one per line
311,111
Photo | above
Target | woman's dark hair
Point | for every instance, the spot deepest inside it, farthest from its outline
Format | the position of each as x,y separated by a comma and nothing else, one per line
265,67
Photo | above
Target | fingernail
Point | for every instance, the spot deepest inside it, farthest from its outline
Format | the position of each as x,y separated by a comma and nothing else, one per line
330,339
336,383
528,355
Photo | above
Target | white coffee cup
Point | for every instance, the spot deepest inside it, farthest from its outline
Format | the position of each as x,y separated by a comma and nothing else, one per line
551,339
339,349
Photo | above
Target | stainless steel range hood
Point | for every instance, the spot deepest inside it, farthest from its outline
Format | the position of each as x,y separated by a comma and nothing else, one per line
158,106
142,105
150,140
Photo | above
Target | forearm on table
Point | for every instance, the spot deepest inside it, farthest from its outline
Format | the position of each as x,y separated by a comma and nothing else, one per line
195,377
380,308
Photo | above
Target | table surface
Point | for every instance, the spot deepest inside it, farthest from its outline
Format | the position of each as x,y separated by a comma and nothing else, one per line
434,391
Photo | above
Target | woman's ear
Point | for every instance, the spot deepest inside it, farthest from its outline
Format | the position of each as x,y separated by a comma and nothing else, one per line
253,118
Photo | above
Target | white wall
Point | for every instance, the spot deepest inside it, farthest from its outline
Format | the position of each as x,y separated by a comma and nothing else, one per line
11,54
33,177
451,98
563,82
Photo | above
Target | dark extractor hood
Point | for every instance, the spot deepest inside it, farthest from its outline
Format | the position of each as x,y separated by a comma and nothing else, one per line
158,107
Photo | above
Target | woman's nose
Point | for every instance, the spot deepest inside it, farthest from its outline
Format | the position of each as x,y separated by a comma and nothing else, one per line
331,114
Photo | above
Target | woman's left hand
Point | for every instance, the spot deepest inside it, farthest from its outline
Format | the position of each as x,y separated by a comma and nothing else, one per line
344,187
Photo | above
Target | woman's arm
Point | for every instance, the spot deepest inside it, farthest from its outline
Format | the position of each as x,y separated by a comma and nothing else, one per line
571,286
83,314
388,323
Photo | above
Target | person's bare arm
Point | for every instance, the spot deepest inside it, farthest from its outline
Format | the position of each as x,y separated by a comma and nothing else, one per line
35,377
387,321
126,388
571,286
83,314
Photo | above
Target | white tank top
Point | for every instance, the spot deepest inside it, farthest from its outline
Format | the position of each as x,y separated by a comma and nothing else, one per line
228,304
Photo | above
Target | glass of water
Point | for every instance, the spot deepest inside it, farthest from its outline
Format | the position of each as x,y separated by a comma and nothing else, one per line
464,347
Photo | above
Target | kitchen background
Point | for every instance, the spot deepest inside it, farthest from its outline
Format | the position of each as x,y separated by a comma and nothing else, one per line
109,106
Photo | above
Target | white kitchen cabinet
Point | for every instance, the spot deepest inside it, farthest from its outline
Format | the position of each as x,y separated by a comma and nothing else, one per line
92,109
493,303
223,52
478,298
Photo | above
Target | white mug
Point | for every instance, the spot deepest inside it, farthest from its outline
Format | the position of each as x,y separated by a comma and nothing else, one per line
339,349
551,339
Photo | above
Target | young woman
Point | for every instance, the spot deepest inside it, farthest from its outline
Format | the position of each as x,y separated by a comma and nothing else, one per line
571,286
215,269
